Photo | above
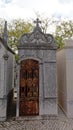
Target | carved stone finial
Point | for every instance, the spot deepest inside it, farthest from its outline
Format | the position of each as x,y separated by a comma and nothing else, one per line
37,22
5,35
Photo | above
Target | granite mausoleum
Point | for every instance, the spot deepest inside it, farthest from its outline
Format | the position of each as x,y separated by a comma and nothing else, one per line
37,75
6,75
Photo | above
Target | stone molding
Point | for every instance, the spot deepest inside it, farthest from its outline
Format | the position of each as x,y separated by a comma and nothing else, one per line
36,40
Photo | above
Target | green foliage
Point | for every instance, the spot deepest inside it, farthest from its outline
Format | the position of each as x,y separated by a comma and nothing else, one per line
63,31
16,57
59,41
15,29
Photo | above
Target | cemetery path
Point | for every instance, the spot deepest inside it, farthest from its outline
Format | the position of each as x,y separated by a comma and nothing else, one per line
61,122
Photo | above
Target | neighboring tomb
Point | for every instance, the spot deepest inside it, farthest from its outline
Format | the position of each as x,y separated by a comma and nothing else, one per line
65,77
37,82
6,75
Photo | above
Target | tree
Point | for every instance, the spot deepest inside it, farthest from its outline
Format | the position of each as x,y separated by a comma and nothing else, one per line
15,29
63,31
19,26
46,22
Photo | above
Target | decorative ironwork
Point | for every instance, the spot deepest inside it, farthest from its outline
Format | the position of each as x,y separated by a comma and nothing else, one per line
29,91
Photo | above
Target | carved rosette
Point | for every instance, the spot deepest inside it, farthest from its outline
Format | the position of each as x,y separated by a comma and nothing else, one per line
5,56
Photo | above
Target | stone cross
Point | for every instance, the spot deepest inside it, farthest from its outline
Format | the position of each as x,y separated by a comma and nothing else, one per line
37,22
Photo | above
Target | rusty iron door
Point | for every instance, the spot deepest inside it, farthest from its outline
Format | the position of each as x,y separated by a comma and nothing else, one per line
29,88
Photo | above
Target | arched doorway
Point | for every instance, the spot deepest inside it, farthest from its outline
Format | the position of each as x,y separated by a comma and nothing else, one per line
29,88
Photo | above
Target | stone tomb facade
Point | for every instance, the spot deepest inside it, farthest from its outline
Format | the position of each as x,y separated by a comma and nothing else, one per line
6,75
37,82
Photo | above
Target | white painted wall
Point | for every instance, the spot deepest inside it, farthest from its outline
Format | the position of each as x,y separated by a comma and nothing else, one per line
69,73
65,77
61,75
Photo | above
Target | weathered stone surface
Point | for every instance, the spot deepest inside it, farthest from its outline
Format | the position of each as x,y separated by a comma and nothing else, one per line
6,74
50,106
42,48
50,80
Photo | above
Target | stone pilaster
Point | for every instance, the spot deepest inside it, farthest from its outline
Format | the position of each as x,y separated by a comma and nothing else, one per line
18,86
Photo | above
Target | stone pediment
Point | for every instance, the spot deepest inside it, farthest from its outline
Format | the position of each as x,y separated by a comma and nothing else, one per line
36,39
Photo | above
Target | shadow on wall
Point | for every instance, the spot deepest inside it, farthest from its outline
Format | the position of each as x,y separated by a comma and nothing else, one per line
11,105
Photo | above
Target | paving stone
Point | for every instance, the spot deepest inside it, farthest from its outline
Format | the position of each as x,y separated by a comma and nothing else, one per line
48,123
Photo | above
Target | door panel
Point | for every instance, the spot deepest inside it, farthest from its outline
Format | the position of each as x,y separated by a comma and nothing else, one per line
29,88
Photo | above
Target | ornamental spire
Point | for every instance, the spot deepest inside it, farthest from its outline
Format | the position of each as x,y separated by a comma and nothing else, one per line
5,35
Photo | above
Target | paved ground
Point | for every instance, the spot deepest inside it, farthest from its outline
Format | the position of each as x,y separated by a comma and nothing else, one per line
45,123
